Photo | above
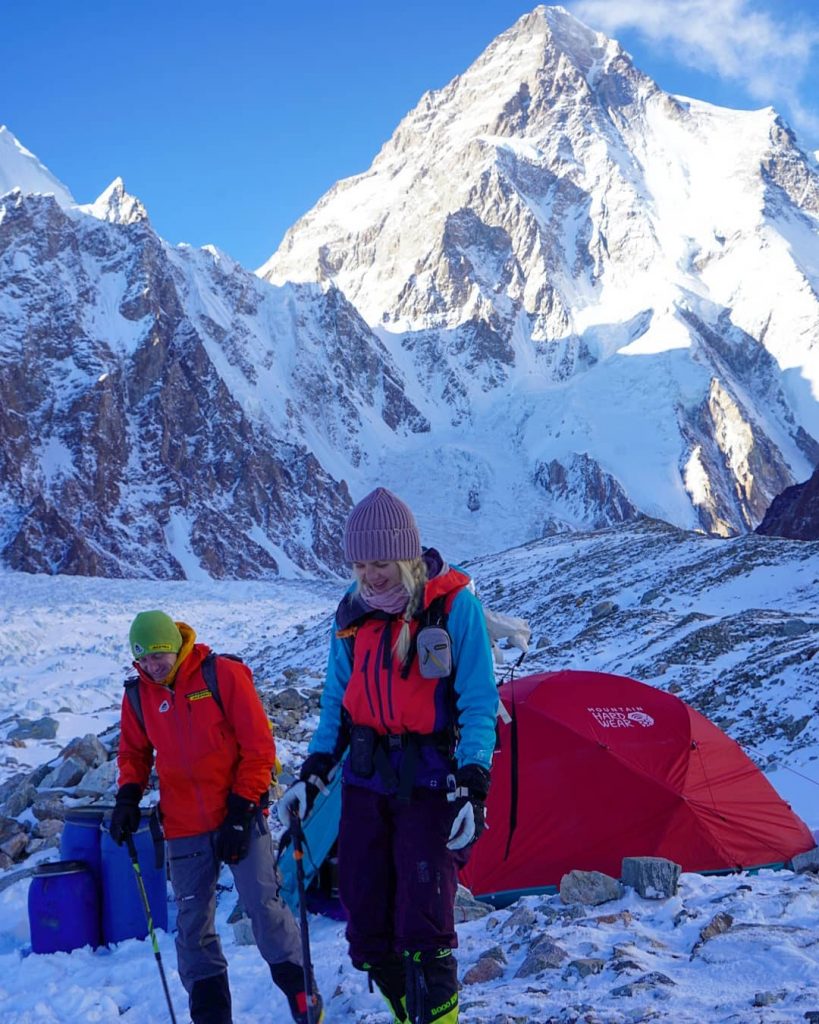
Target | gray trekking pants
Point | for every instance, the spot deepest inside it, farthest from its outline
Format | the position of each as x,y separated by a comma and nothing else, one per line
194,872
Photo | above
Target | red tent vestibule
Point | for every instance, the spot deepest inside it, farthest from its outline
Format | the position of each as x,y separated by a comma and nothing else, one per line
596,767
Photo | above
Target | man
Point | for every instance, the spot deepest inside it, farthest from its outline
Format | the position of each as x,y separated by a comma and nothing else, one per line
214,759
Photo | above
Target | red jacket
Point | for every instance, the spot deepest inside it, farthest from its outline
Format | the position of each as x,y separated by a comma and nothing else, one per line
377,694
202,755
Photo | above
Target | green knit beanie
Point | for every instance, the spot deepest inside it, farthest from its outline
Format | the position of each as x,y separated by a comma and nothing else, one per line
154,633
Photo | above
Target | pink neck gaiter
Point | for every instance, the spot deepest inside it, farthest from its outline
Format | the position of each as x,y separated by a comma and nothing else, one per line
392,601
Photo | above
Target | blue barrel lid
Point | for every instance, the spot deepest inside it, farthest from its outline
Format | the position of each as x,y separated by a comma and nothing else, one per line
61,867
90,813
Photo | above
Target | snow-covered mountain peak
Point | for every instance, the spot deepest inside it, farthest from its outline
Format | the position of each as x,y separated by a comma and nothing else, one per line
117,206
550,230
21,169
548,32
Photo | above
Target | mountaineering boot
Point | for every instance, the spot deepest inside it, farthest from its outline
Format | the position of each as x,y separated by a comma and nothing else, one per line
290,979
391,981
432,987
210,1000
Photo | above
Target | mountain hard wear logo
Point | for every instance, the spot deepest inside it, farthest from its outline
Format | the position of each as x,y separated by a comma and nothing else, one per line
164,706
621,718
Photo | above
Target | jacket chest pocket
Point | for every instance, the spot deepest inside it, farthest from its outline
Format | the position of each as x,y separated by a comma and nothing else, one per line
206,723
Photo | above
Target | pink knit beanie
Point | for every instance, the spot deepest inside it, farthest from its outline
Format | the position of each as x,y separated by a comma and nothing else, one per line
381,528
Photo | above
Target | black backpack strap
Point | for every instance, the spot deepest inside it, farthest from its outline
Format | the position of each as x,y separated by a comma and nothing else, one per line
132,693
211,677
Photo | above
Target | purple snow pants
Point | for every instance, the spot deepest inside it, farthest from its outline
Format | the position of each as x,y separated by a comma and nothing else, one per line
397,880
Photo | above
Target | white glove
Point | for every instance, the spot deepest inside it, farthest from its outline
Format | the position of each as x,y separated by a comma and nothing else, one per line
293,801
463,828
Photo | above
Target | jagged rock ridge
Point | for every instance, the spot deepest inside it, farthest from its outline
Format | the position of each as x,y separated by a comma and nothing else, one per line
152,421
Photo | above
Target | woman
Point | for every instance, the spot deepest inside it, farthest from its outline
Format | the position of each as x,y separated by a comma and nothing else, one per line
410,691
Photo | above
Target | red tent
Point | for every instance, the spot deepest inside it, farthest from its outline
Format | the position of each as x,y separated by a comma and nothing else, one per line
595,767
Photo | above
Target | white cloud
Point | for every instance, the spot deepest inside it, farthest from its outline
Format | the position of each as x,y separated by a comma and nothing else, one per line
767,48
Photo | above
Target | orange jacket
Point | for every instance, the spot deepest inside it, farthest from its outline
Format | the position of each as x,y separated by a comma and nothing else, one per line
202,755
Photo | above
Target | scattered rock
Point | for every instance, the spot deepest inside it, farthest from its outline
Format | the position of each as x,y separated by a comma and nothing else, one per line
289,698
808,861
486,969
718,925
67,774
648,981
623,918
14,846
767,998
88,749
241,924
49,828
522,918
42,729
99,780
48,807
603,608
589,888
467,908
22,797
584,967
543,955
653,878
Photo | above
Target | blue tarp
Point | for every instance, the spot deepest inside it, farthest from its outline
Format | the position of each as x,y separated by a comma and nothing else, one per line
320,832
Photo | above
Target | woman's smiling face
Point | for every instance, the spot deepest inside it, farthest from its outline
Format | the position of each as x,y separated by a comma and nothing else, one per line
377,576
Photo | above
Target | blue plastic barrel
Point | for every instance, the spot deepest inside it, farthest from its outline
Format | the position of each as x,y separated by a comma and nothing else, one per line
81,835
63,907
123,912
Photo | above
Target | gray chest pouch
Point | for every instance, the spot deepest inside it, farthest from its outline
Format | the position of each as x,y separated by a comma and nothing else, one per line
434,649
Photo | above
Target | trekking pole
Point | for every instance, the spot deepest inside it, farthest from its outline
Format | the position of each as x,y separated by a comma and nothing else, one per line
298,856
146,906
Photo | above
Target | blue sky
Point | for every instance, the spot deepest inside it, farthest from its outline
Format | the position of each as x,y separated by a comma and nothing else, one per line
230,121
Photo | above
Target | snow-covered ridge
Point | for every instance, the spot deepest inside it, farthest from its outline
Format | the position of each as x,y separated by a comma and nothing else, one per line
21,169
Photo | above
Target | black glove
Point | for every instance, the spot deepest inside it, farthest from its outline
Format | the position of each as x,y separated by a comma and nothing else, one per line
470,793
233,841
315,774
126,815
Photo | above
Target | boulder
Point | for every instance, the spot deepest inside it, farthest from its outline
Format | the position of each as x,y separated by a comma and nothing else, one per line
654,878
589,888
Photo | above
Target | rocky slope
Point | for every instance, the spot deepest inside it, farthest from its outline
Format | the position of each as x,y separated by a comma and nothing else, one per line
795,512
158,406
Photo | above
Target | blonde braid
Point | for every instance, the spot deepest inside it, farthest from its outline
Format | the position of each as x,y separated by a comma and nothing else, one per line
414,578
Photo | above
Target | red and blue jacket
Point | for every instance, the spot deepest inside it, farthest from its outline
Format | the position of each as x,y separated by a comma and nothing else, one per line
367,684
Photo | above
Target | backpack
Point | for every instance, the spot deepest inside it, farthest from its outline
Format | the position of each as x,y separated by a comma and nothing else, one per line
209,675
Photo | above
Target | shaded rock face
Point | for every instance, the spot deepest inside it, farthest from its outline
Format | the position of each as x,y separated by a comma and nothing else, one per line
598,499
128,453
795,512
